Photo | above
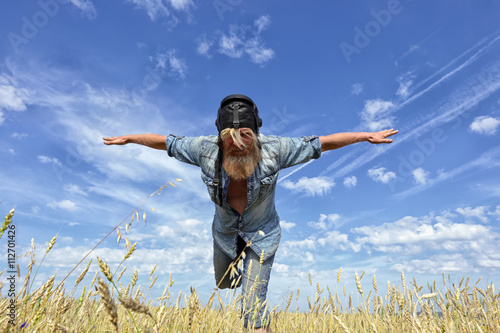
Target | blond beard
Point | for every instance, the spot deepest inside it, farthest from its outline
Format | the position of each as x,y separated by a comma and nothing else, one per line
240,167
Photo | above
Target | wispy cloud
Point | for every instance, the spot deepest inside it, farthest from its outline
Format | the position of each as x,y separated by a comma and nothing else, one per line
168,63
405,81
157,9
262,23
204,46
74,189
12,98
86,6
350,182
478,88
241,40
415,47
63,204
19,136
48,160
356,88
479,49
487,160
375,114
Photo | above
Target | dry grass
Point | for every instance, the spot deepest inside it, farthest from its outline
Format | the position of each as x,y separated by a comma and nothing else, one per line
107,305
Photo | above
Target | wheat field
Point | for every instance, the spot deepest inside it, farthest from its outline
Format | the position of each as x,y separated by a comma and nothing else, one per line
109,304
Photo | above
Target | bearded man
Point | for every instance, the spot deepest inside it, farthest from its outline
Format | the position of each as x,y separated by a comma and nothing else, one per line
240,168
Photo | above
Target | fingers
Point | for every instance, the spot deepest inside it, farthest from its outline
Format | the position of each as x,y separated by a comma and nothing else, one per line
109,140
389,132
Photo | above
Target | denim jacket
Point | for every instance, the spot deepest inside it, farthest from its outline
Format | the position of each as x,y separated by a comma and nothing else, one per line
260,213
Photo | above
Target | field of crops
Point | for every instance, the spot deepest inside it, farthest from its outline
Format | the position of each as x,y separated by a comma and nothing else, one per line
110,304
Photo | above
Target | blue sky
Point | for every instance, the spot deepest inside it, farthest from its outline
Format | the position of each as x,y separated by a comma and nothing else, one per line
74,71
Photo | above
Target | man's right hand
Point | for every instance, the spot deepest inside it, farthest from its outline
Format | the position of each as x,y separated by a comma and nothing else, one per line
155,141
116,140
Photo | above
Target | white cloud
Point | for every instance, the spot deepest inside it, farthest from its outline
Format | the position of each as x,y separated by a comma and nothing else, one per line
204,45
333,239
257,52
262,23
309,244
356,88
154,8
280,268
86,6
74,189
242,40
405,81
420,175
317,225
325,221
185,231
181,5
350,182
436,264
479,212
11,97
46,159
412,235
167,63
375,114
19,136
485,125
63,204
380,175
310,186
496,213
287,225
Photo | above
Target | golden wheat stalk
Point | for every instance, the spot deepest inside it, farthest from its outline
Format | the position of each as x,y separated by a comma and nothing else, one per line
108,303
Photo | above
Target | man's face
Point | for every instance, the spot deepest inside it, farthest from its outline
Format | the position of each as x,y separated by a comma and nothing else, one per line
235,149
240,159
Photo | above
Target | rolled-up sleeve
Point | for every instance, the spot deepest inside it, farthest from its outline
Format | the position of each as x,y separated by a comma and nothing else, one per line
184,149
294,151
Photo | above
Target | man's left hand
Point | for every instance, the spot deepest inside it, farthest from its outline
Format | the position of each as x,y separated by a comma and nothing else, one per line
381,137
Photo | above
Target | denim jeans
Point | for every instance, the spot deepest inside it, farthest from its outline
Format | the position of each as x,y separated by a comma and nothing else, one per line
254,280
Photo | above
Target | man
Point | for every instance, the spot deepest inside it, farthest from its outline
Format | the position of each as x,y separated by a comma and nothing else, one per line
240,169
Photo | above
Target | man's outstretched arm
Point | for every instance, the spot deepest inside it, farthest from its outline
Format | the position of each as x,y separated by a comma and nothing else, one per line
338,140
155,141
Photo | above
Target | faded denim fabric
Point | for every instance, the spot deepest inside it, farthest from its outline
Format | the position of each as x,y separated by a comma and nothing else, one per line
254,279
260,213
